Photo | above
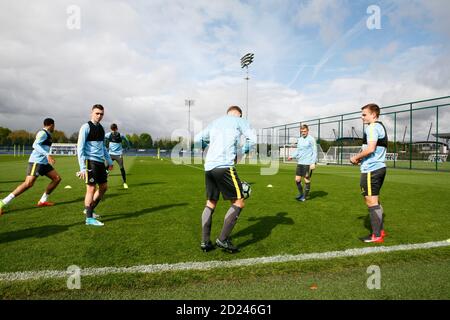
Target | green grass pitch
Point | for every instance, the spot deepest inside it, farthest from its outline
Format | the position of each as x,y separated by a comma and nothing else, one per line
158,220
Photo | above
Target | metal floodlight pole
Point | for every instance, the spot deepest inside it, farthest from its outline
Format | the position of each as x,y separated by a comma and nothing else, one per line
246,60
189,103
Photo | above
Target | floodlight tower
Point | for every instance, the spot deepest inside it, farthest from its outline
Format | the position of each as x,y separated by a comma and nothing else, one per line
245,62
189,103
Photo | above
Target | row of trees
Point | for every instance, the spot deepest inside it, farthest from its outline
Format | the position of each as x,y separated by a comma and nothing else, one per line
22,137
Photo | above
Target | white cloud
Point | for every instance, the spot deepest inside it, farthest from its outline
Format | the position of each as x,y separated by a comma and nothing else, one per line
327,16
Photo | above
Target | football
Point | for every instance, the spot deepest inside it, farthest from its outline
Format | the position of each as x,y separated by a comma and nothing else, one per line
246,189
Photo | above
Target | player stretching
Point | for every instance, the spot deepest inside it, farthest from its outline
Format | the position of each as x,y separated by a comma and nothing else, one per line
39,163
92,154
373,168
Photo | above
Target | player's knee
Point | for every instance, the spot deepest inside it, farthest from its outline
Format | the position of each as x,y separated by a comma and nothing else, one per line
57,179
211,203
298,179
239,203
28,184
370,202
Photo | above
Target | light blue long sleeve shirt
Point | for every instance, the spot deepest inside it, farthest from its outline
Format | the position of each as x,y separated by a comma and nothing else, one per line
223,136
306,152
90,150
40,151
116,148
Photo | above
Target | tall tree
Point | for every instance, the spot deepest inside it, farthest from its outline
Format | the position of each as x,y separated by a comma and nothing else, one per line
59,137
21,137
145,140
4,133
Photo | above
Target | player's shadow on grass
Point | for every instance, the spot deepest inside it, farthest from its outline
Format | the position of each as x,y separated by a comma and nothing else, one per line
38,232
139,213
262,229
142,184
81,199
12,181
367,223
317,194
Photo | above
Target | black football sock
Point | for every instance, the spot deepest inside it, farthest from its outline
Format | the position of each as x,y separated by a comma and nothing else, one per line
299,187
124,175
89,211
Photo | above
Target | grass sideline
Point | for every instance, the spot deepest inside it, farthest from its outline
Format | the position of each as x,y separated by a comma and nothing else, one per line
157,220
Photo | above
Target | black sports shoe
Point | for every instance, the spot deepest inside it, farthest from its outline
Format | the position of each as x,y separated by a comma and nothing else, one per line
206,246
227,245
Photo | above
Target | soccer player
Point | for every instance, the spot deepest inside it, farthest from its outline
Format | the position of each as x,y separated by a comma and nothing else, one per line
373,168
223,136
115,139
39,164
92,154
306,154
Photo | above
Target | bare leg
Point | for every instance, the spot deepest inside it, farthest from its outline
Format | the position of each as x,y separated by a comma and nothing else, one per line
56,179
27,184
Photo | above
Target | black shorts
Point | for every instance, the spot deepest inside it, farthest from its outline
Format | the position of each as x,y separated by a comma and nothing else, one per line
96,172
225,181
38,169
118,158
303,171
371,182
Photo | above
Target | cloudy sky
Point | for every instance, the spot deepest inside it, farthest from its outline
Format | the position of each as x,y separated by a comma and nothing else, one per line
142,59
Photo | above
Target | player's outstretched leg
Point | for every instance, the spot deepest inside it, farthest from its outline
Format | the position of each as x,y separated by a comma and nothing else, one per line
24,186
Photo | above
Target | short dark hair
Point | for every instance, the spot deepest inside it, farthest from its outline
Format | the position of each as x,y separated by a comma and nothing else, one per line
48,122
374,108
114,126
97,106
304,126
235,108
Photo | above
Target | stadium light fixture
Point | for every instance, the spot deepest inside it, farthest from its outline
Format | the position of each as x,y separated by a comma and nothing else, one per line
246,60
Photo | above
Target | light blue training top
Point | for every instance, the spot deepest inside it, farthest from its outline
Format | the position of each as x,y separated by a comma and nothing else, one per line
90,150
377,159
40,150
115,148
306,152
223,136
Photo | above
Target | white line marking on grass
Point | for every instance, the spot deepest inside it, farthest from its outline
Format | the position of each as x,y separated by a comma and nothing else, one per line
153,268
198,168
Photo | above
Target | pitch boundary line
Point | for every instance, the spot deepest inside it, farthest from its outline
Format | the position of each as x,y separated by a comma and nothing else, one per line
183,266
